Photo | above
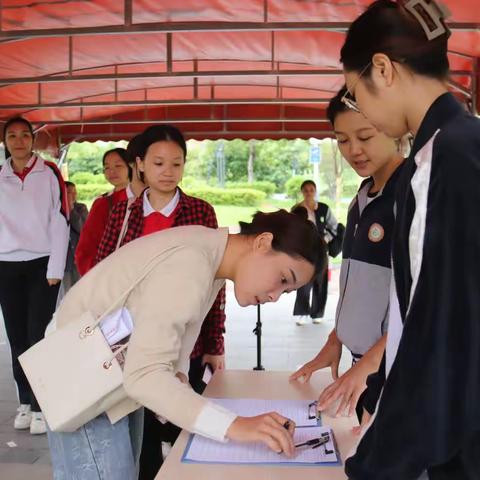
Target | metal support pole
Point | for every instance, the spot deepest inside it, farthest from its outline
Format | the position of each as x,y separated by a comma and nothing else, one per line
258,332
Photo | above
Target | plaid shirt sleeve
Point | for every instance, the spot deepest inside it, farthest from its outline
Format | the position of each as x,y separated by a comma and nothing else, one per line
112,231
211,339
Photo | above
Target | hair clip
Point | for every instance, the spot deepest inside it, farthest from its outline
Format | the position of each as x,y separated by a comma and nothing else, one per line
430,15
312,407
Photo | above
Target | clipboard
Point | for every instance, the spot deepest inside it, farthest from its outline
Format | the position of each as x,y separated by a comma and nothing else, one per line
201,450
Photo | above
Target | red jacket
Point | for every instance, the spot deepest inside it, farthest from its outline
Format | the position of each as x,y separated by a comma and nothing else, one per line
190,211
93,229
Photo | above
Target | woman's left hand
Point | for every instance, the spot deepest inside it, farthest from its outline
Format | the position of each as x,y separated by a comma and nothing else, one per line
217,362
347,389
53,281
366,417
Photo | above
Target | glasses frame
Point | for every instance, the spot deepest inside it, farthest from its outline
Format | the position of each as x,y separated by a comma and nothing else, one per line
350,102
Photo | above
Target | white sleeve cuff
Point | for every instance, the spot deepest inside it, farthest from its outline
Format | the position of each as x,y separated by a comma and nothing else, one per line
183,367
55,271
213,422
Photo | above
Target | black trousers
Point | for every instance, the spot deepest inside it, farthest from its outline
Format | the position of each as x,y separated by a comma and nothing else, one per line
319,289
154,432
28,303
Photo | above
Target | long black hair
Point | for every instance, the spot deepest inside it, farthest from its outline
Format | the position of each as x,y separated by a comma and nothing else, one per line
292,234
387,27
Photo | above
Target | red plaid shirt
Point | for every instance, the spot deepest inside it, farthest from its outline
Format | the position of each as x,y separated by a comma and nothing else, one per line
190,211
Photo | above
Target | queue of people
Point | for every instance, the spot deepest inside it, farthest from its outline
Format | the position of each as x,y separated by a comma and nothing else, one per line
409,284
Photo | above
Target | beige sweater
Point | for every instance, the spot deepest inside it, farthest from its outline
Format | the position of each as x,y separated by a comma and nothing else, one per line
167,307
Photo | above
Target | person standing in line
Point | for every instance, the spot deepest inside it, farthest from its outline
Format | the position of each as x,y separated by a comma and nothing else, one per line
322,217
161,153
34,237
118,172
427,421
78,217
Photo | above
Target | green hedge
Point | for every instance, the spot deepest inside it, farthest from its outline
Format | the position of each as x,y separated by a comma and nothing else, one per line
267,187
242,197
91,191
88,178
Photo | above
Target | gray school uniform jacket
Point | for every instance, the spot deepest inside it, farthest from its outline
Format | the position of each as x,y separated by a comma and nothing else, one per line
362,311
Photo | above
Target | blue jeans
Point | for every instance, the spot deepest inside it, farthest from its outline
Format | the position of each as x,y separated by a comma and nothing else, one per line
98,450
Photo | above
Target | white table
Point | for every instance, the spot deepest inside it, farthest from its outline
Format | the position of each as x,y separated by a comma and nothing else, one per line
268,385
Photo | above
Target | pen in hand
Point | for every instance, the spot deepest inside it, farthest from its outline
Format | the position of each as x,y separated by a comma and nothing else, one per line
289,427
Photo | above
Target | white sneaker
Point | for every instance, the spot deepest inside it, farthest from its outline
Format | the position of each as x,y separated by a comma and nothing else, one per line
316,321
23,418
301,320
38,425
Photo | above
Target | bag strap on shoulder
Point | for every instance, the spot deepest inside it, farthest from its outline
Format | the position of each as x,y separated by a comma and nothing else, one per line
124,228
148,269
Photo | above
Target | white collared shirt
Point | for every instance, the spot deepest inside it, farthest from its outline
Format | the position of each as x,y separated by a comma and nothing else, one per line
129,192
166,211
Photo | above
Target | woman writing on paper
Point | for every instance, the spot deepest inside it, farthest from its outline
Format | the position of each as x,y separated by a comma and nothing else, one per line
274,254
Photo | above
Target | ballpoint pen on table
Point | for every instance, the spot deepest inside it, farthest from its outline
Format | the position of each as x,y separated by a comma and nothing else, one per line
315,442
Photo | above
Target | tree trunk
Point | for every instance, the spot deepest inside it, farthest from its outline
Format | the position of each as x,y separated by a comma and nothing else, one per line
251,161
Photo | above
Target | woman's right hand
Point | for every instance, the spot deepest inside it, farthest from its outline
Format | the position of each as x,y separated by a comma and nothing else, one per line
268,428
329,356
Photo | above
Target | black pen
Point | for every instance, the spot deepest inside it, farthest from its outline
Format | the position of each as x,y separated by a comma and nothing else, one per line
314,442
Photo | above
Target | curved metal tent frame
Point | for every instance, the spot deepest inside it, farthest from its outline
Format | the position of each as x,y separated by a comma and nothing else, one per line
88,70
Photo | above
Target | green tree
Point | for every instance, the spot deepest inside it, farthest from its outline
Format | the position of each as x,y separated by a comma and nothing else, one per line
278,160
87,156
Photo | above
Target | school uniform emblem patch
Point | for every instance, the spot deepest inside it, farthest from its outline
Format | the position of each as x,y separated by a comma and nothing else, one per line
376,233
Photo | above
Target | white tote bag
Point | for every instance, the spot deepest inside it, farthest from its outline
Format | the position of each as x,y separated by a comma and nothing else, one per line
73,372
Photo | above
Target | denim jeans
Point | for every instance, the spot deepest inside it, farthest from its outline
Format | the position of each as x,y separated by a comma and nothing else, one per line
98,450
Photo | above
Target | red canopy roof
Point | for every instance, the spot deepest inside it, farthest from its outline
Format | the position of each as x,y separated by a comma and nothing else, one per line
102,69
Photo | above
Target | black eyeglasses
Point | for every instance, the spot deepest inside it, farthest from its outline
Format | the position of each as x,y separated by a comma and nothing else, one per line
348,98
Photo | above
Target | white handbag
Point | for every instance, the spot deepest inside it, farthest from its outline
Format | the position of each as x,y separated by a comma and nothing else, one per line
73,372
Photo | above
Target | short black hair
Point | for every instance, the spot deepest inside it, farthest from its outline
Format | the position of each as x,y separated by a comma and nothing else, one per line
69,184
10,122
17,119
387,27
292,234
308,182
336,106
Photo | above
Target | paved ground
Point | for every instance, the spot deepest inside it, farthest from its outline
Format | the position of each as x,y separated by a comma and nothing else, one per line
285,346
